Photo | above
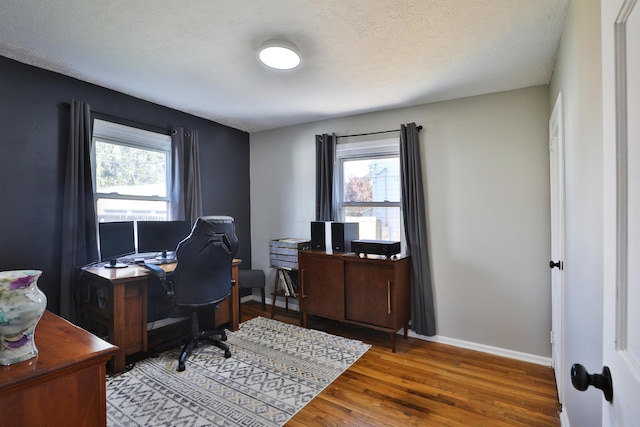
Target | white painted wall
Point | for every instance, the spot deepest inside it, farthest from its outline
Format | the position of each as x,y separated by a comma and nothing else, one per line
487,179
578,75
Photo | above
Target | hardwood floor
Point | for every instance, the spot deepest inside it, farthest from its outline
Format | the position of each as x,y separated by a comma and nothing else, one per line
425,383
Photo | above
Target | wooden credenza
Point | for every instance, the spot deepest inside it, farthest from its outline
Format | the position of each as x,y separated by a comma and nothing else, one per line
63,385
372,291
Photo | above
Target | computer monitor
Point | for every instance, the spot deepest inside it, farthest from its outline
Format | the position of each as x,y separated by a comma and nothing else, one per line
116,240
162,237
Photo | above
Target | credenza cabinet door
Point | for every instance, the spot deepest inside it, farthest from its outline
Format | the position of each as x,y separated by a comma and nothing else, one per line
321,284
370,293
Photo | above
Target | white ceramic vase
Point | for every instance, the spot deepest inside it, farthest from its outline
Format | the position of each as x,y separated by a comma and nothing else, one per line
22,304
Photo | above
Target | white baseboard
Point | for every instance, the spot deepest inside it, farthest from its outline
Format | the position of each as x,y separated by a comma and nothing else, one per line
249,298
498,351
564,418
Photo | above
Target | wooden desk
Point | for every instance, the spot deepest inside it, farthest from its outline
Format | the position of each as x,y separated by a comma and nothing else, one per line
114,304
63,385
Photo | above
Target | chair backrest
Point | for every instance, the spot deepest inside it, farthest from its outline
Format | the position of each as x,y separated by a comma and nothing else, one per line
222,225
203,274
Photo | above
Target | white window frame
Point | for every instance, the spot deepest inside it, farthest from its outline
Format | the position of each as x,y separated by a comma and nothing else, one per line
359,148
128,136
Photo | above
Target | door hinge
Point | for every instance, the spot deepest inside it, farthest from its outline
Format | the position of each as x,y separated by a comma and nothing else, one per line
551,337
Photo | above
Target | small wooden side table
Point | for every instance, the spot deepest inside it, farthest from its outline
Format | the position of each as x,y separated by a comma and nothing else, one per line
278,292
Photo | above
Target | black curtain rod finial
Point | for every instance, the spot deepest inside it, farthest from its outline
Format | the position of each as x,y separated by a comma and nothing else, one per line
175,131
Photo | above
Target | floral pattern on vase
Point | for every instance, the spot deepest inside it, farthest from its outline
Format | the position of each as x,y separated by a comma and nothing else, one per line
22,304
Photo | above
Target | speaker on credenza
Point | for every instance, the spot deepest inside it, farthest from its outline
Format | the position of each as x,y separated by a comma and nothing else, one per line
318,235
333,236
342,233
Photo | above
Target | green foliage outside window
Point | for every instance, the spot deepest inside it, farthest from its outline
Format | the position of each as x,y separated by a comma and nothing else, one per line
119,165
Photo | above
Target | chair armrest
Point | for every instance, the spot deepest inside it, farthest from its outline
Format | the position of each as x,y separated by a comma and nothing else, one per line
162,275
157,270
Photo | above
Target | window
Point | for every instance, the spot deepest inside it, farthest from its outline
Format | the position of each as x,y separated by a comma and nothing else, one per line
132,172
369,187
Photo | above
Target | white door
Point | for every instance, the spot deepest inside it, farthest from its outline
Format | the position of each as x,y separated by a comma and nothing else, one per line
556,167
621,151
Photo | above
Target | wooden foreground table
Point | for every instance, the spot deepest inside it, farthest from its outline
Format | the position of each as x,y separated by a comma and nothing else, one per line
63,385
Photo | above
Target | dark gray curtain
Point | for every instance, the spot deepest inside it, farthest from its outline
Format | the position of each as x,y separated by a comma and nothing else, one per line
326,204
79,241
423,319
186,193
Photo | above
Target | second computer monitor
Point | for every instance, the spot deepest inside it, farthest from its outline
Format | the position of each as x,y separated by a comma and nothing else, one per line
161,237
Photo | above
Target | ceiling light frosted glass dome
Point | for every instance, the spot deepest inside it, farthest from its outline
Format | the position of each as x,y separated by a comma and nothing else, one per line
279,55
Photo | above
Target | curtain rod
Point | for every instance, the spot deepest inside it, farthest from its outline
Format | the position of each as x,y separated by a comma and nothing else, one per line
374,133
127,122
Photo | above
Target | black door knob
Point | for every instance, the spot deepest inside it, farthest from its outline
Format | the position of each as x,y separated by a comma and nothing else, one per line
555,264
581,380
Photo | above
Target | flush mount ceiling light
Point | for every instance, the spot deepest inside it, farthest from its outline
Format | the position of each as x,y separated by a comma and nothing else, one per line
279,55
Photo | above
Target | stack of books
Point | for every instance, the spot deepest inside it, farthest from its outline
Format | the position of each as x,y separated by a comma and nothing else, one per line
288,283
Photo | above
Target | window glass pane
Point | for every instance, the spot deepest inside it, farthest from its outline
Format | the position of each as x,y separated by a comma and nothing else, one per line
376,223
371,180
129,210
370,188
130,171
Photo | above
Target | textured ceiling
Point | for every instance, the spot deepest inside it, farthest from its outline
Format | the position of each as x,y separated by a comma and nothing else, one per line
199,56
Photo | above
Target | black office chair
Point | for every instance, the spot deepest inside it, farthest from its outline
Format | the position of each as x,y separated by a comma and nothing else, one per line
202,276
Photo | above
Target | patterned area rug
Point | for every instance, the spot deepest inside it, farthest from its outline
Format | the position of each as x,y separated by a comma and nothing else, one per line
274,370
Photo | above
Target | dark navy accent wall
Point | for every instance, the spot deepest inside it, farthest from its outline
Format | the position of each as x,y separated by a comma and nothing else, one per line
34,123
